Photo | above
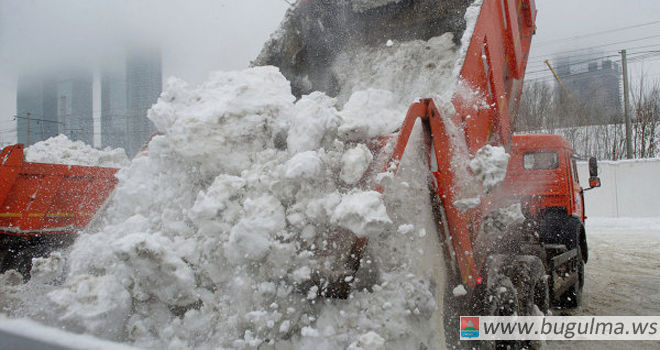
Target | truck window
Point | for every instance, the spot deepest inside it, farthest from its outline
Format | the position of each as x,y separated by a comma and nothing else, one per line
545,160
576,177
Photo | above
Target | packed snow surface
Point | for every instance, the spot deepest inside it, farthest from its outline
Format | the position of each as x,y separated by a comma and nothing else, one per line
60,150
227,230
364,5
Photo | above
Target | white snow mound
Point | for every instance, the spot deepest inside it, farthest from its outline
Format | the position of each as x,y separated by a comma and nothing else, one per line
225,231
60,150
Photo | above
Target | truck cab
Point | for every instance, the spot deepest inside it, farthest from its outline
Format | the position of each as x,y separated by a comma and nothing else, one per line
542,176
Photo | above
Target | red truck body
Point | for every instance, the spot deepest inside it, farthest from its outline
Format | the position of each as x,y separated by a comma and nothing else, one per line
47,199
542,174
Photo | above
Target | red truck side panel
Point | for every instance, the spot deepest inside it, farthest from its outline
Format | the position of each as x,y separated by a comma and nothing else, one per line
38,198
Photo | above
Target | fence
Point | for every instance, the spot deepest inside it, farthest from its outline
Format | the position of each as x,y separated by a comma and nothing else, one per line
631,188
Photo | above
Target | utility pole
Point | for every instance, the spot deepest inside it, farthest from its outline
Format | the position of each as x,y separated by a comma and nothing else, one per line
28,130
626,105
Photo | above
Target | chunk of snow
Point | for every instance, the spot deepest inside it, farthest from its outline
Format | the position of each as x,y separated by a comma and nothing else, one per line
309,332
306,165
459,291
316,120
489,165
368,341
467,203
363,213
355,163
364,108
406,229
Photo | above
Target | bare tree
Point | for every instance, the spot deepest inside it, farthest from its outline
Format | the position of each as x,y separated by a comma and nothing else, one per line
536,107
548,110
646,107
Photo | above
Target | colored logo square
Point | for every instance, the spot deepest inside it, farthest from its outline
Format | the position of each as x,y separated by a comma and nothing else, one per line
469,327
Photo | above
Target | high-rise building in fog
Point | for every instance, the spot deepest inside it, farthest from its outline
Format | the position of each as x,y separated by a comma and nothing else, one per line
128,90
75,106
596,84
54,102
36,117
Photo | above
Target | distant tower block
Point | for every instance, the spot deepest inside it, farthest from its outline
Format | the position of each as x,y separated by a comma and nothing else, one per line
128,90
56,101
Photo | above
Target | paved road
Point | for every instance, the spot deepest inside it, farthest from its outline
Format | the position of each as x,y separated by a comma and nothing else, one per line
622,279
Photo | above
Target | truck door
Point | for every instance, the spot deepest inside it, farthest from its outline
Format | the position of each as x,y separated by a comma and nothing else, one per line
577,193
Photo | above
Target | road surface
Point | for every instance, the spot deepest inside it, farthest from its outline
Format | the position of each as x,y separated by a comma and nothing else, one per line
622,277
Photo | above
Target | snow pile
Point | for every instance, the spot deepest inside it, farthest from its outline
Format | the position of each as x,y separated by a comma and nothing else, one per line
412,69
230,229
471,16
364,5
61,150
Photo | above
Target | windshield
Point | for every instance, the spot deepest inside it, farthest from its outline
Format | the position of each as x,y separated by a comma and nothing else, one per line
546,160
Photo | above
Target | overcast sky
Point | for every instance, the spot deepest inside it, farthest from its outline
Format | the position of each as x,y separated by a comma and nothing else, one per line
198,36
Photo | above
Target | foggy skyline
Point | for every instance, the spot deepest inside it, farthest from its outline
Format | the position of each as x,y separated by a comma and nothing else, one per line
195,37
205,35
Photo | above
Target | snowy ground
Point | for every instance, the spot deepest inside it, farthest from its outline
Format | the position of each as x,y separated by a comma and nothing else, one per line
622,276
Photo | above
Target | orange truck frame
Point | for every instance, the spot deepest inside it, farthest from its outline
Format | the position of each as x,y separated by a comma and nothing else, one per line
539,263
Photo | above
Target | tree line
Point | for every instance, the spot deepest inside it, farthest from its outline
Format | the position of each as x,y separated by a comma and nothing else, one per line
588,124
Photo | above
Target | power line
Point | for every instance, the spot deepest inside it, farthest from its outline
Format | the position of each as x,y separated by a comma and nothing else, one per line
540,59
590,55
637,56
599,58
599,33
602,45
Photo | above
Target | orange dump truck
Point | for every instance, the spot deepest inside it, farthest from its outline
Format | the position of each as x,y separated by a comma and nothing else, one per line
42,206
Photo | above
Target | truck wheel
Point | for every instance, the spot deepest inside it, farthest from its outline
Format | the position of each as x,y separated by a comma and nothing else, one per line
572,298
502,299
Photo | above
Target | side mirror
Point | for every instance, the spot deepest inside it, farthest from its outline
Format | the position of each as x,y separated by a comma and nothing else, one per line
594,181
593,167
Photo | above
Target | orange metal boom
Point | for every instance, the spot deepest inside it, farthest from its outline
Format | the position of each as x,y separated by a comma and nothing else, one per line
493,71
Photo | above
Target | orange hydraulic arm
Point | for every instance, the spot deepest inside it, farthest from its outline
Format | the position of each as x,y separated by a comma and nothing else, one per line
488,92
